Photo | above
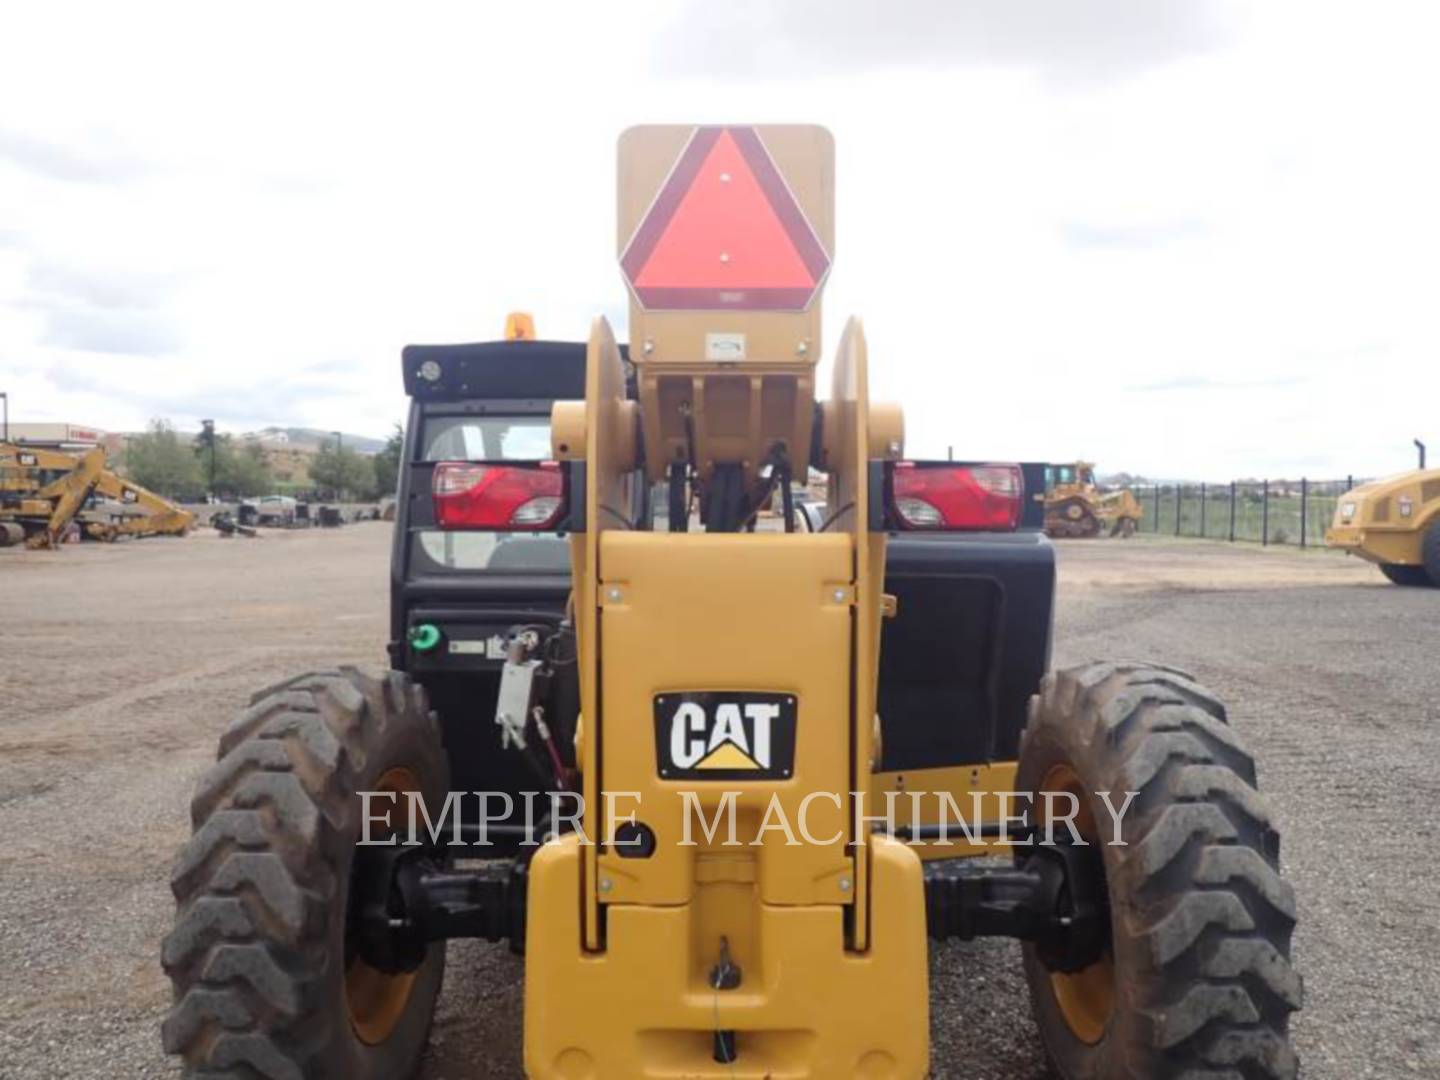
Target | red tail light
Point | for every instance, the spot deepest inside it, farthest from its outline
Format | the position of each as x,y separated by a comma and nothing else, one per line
955,497
505,498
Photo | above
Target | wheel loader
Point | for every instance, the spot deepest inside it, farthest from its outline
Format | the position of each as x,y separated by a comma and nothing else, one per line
717,782
1394,523
1075,506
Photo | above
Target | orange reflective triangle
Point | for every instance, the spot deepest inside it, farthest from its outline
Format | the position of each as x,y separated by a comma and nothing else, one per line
725,233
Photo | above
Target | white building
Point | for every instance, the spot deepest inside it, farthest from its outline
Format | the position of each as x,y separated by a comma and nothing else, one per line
57,434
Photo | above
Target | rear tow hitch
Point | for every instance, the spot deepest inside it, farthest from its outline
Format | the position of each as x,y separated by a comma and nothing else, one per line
1054,898
403,898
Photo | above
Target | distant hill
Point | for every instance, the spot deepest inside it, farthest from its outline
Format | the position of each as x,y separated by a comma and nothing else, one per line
298,438
1123,479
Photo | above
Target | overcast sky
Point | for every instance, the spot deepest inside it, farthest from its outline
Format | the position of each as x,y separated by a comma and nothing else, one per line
1190,239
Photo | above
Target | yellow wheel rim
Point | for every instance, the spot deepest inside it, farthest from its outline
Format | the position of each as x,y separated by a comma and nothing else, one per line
375,1000
1086,998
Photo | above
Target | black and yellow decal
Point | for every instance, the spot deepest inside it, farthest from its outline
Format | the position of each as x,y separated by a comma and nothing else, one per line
725,735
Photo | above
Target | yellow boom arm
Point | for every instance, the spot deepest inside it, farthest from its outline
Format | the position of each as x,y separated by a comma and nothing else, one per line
67,495
164,517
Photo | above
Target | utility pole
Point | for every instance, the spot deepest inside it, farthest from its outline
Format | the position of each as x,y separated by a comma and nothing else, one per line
207,436
6,399
339,492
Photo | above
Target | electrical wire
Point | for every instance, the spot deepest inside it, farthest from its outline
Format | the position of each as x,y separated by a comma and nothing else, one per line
836,516
617,515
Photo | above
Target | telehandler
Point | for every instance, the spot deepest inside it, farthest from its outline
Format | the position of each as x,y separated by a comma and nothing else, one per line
764,763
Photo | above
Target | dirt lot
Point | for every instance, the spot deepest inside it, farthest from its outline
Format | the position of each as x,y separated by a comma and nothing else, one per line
119,665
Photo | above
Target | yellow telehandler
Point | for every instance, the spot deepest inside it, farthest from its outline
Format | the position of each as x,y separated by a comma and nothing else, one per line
719,783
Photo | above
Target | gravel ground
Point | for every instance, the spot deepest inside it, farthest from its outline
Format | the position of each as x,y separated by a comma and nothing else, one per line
120,664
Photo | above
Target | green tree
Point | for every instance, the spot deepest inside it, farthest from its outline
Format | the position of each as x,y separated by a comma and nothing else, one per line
387,463
160,461
342,473
359,472
243,470
231,470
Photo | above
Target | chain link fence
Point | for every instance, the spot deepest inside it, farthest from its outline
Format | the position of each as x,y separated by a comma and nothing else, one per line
1261,511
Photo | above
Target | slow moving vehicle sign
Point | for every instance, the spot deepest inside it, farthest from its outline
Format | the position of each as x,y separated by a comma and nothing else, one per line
725,232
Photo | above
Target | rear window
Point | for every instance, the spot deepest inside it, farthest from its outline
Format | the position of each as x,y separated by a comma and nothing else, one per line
488,438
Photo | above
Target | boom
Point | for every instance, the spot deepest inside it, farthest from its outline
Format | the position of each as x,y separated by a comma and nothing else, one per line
163,519
726,671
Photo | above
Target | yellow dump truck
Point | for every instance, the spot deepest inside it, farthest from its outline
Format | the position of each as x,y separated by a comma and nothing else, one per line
1394,523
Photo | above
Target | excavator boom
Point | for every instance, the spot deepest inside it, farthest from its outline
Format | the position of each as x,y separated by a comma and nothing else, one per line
163,518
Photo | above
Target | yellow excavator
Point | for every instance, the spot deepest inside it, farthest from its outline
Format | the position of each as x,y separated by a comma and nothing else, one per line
1075,506
42,491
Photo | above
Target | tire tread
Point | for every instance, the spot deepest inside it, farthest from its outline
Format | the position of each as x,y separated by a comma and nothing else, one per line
1201,874
246,955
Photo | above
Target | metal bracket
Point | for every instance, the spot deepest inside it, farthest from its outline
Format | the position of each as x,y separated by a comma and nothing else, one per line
1056,898
512,709
412,897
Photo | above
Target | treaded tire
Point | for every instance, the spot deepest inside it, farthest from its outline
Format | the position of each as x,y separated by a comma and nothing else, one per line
1408,575
1201,919
1430,552
257,955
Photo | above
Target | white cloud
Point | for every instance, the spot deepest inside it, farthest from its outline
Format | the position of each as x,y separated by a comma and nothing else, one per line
1063,42
1185,240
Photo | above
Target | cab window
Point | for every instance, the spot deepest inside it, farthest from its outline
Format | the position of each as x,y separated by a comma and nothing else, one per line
488,438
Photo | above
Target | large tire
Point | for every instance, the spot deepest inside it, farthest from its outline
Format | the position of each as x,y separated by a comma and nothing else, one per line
265,986
1415,576
1196,980
1430,552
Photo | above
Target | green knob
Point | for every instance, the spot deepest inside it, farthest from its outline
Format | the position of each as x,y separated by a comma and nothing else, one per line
424,637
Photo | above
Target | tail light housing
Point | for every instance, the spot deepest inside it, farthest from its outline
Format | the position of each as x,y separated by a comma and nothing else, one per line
940,496
513,497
